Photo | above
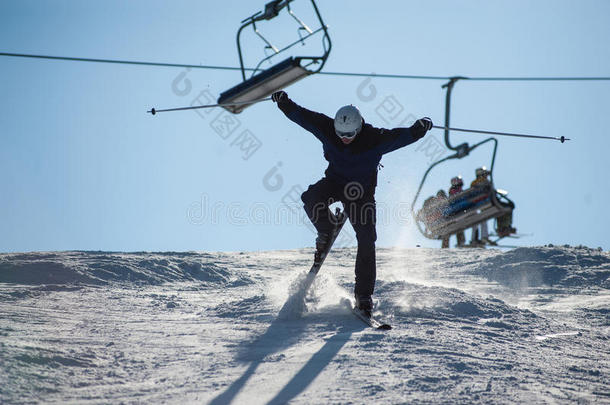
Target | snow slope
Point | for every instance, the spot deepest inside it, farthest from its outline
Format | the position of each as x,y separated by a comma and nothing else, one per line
530,325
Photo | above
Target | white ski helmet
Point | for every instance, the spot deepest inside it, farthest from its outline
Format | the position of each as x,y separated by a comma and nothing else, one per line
348,122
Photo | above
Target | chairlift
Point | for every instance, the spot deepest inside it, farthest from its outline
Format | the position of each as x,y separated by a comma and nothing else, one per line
443,218
263,83
440,219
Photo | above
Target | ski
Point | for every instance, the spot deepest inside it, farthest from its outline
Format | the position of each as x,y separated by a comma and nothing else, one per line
371,321
339,219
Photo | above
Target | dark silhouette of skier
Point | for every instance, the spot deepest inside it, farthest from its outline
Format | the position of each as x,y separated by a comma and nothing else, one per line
353,149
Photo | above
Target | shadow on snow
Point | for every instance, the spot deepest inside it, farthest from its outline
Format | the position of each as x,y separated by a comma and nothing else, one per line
280,335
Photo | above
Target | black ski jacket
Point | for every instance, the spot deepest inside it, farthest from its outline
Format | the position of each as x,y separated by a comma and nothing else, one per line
357,161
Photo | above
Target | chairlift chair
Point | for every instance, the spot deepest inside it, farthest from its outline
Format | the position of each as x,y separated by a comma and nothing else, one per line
463,211
452,218
263,83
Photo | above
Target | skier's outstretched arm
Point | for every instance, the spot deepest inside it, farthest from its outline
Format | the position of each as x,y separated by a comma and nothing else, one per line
312,121
392,139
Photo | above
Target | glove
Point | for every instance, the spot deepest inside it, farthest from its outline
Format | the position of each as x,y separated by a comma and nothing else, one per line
279,96
425,123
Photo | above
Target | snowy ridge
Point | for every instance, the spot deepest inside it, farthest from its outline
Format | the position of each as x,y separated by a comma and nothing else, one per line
101,268
529,325
549,266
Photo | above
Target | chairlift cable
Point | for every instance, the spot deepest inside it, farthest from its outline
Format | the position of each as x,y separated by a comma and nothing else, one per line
379,75
539,79
387,75
474,78
121,62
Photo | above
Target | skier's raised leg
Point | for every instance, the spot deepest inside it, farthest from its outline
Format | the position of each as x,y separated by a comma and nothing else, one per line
316,200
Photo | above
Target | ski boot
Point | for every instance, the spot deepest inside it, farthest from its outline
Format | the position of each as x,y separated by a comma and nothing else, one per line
325,240
365,304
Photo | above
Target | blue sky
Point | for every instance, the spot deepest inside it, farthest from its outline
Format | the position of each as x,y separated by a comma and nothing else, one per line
84,167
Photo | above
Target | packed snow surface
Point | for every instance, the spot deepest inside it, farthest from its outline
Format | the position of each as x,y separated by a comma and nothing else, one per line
530,325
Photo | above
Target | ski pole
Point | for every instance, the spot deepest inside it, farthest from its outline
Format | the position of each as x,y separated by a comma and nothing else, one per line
476,131
153,111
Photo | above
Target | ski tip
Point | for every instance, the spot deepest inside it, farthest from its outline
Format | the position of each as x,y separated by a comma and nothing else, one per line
384,326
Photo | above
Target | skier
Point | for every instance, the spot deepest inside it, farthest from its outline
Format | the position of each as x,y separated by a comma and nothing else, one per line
481,180
353,149
456,187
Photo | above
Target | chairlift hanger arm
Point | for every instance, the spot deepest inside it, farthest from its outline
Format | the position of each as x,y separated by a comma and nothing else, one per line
326,36
272,9
449,86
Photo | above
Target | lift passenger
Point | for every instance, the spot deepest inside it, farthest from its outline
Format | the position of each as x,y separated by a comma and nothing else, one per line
457,185
481,180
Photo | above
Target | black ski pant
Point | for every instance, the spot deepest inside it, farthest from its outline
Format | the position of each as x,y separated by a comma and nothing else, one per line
359,205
